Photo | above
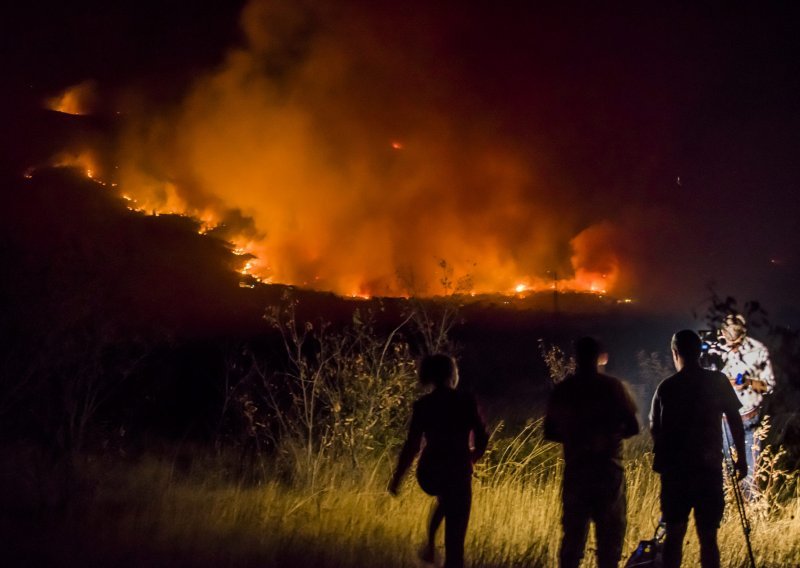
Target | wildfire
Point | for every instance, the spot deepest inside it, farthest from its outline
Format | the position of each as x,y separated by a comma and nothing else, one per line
256,270
76,100
292,169
248,266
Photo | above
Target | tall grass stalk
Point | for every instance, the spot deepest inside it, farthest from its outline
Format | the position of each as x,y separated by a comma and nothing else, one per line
153,513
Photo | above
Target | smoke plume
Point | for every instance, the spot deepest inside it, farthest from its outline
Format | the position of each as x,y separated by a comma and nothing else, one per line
334,146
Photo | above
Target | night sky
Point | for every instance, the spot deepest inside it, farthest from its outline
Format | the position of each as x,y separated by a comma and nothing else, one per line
668,133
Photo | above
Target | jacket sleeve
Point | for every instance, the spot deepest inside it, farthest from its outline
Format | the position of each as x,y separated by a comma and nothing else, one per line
481,436
656,417
630,413
765,366
411,446
552,418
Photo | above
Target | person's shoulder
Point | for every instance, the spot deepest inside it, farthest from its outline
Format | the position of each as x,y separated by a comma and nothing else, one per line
563,385
615,384
718,375
568,380
668,383
611,380
754,344
423,401
714,376
465,396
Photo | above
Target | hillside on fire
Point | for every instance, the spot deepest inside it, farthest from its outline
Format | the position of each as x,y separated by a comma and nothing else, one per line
88,273
304,282
137,349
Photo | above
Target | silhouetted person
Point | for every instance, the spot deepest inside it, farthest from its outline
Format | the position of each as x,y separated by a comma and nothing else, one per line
590,414
686,423
446,418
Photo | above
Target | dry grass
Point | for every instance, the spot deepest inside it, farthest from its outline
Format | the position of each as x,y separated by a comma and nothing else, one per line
148,514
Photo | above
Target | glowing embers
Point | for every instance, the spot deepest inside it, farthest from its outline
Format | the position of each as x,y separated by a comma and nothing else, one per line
294,258
250,267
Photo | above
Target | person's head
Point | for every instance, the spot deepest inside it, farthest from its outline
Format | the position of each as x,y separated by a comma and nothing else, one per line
589,354
734,329
686,348
438,370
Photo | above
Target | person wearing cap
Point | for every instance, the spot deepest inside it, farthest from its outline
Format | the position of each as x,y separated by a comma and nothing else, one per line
686,425
590,413
747,364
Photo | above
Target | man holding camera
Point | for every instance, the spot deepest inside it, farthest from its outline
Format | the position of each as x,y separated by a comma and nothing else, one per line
746,363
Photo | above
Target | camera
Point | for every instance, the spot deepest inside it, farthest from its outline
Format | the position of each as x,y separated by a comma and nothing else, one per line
711,349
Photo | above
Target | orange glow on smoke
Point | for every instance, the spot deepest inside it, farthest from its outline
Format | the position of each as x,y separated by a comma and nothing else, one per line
326,177
77,99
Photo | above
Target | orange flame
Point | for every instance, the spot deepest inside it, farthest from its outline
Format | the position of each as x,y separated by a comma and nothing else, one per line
298,171
77,99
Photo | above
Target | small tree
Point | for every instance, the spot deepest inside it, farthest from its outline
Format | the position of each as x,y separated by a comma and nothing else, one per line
559,365
336,393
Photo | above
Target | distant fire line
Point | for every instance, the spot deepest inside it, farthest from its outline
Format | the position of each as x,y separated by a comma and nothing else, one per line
207,222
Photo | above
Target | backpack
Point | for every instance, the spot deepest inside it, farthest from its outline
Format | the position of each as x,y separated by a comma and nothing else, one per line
649,552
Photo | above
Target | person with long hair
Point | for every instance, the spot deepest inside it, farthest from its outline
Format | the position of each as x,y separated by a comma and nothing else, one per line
455,438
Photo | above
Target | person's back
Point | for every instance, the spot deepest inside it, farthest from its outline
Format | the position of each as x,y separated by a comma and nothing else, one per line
446,418
687,421
686,424
590,413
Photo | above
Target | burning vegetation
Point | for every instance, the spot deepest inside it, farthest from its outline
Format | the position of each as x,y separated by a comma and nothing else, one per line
77,99
327,169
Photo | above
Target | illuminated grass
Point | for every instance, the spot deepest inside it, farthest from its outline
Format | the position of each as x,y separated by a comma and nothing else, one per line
146,514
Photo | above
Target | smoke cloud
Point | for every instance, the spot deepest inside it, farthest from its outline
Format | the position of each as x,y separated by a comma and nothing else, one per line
336,147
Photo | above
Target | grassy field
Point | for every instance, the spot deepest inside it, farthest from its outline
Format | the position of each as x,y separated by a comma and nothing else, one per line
192,512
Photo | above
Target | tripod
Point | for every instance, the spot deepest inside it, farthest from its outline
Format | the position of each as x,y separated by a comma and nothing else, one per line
737,492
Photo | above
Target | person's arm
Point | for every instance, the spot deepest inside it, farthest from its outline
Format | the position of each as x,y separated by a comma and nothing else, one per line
630,419
552,418
765,375
731,406
737,431
656,417
409,451
480,435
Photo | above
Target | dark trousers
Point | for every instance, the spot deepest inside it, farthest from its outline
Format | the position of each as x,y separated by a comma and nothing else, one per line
673,545
682,492
599,497
453,505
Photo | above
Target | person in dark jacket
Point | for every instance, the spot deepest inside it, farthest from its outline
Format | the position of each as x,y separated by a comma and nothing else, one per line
590,414
447,419
686,424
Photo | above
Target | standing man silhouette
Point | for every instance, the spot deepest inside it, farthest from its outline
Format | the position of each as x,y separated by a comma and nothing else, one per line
686,424
590,414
